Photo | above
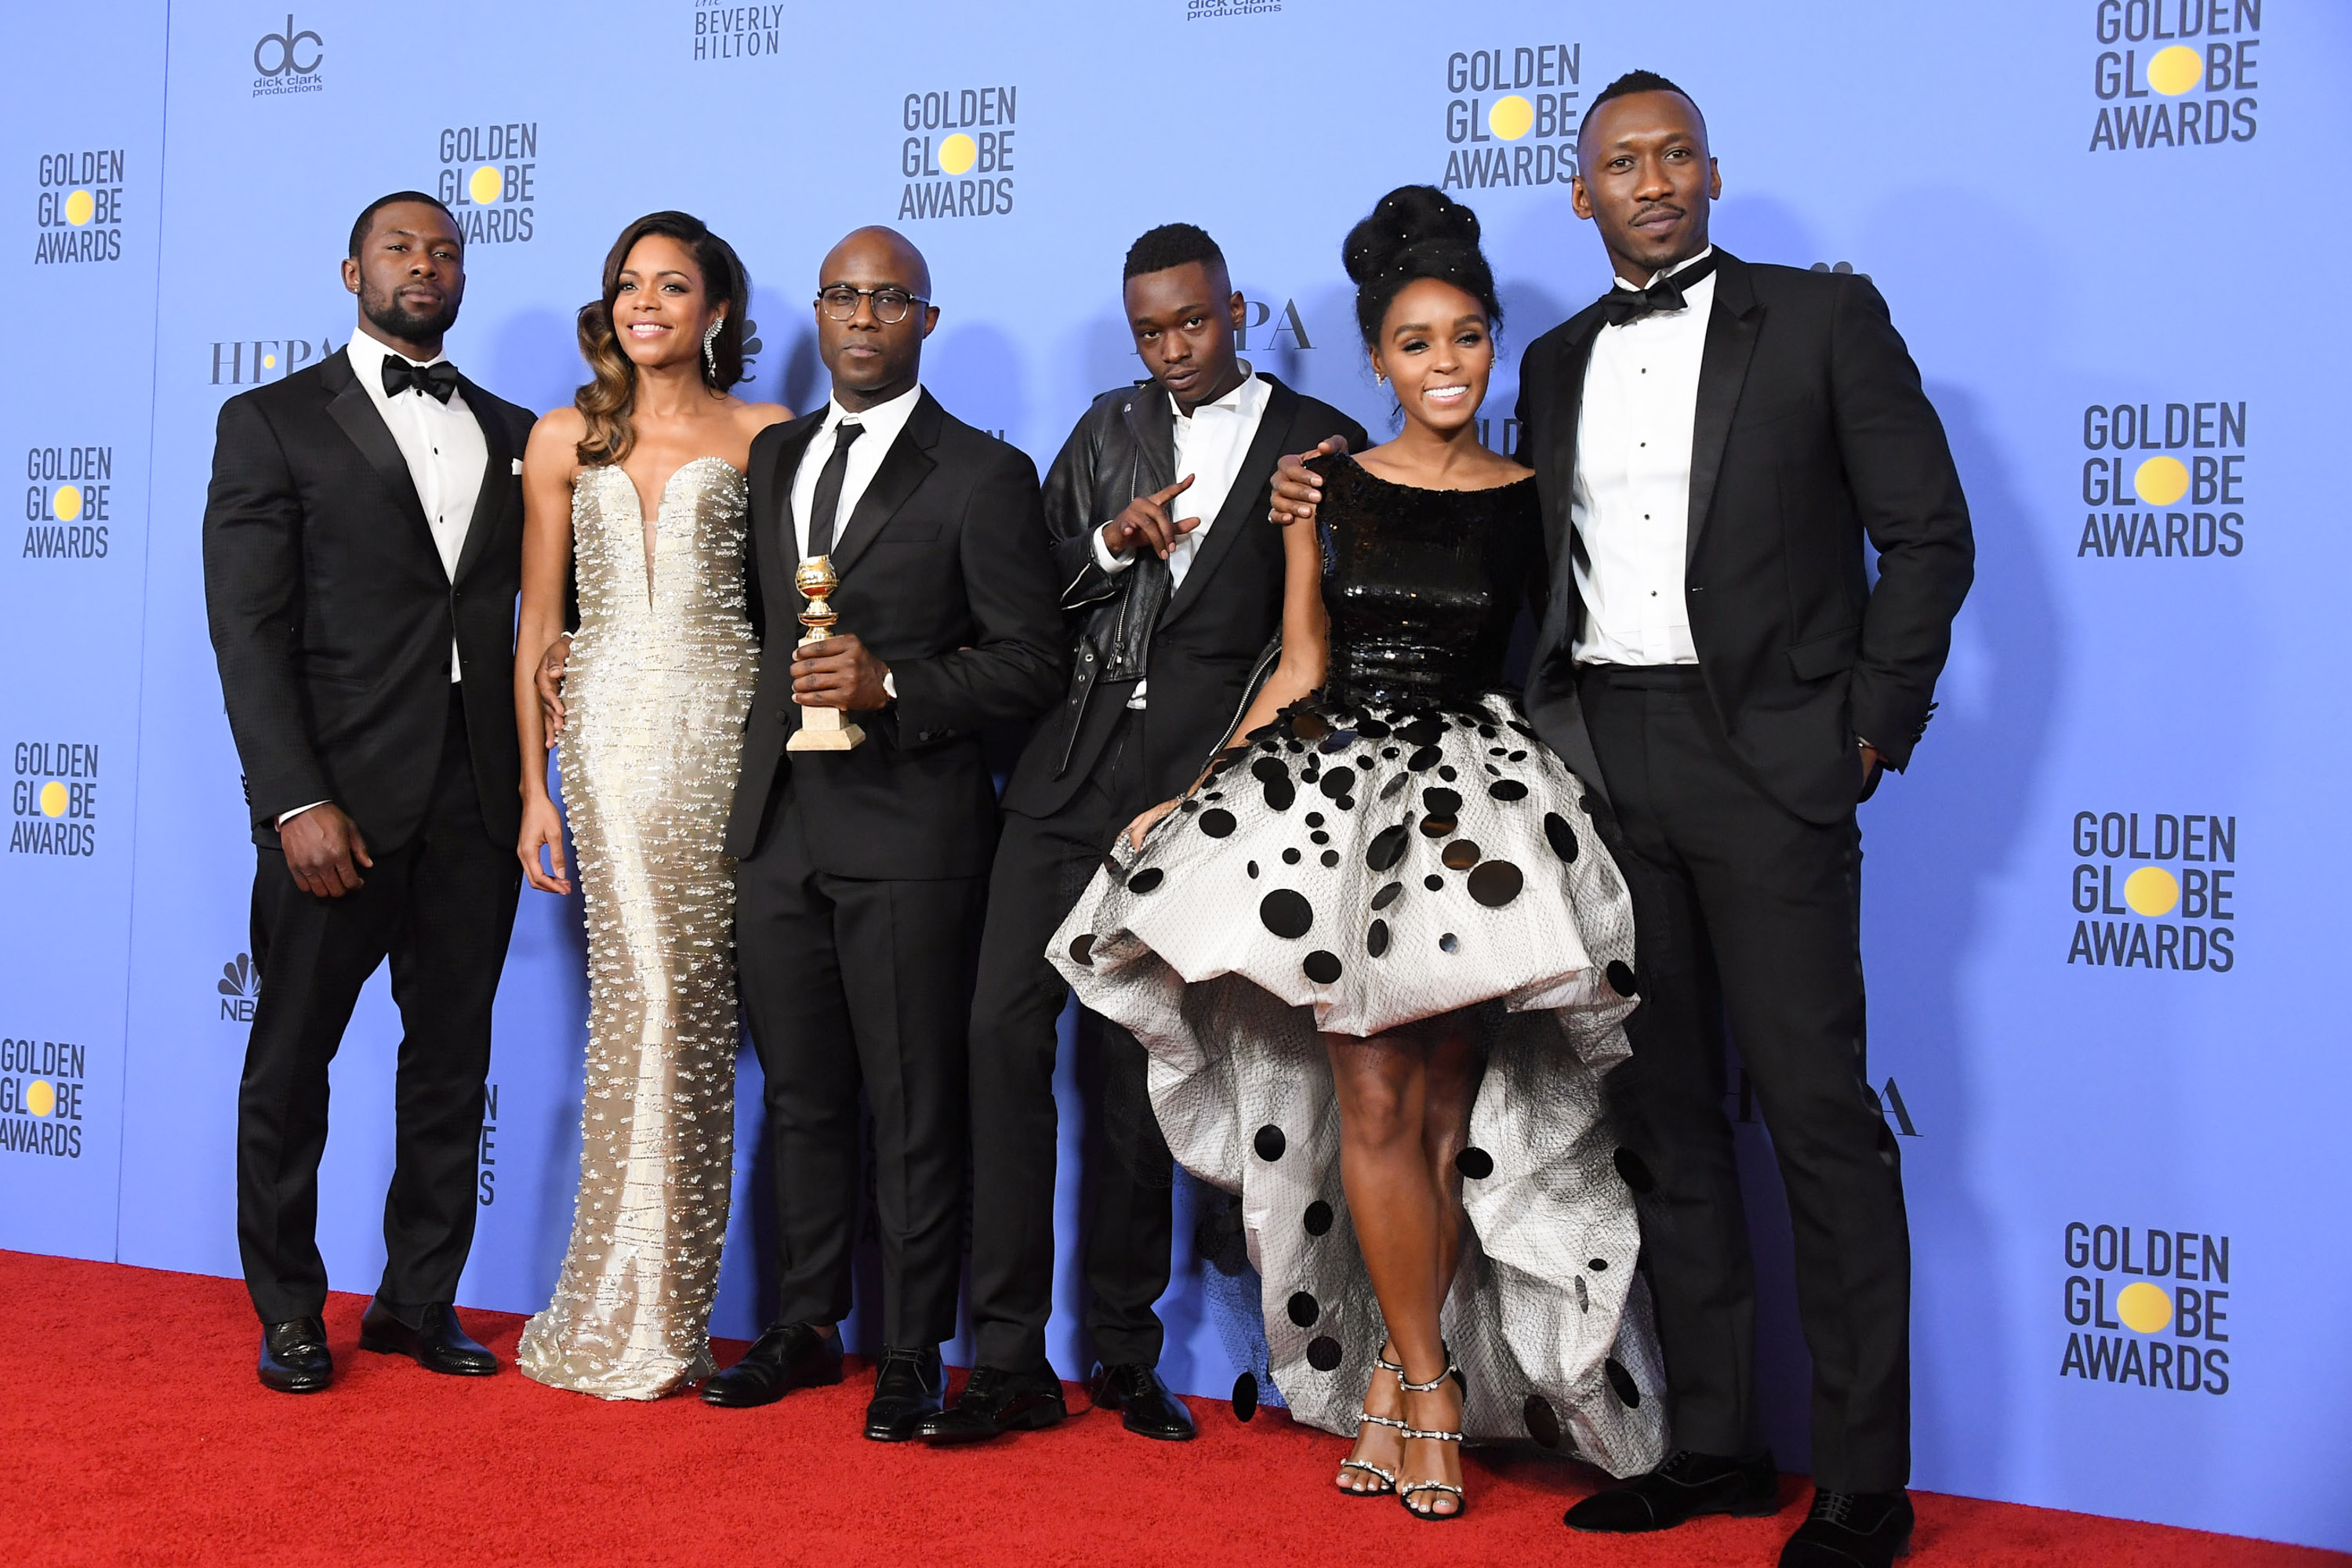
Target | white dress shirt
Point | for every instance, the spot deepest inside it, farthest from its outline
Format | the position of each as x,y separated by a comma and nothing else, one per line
447,457
1631,500
883,422
1210,445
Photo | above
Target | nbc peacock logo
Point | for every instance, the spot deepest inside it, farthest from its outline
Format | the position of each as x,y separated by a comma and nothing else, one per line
239,987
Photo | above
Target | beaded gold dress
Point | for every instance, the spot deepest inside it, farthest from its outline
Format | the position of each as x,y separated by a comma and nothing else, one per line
655,689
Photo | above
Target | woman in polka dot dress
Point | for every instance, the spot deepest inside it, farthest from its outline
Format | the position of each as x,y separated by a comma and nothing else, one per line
1381,960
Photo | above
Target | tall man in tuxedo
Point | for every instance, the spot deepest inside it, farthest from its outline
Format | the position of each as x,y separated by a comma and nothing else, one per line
1713,442
363,550
862,873
1173,598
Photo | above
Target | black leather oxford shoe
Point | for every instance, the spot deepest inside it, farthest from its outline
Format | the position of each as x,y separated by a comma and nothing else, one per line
908,1388
995,1402
1144,1404
1851,1529
1684,1486
788,1356
435,1341
294,1358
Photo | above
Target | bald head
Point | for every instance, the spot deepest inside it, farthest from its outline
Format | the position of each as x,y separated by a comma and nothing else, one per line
874,360
878,255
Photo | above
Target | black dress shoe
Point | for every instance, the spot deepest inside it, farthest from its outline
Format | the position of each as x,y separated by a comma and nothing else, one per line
1851,1529
1684,1486
909,1387
438,1342
995,1401
294,1358
788,1356
1143,1401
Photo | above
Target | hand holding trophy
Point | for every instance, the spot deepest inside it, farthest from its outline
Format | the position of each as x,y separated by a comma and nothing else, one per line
822,729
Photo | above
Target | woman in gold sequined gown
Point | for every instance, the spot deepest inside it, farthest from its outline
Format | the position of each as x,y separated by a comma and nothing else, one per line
638,488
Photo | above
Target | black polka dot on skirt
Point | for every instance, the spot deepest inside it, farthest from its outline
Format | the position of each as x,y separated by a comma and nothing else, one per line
1082,950
1143,881
1269,1142
1395,786
1386,849
1449,942
1620,1382
1496,883
1217,822
1621,978
1318,1218
1437,827
1541,1420
1387,895
1425,759
1245,1396
1563,837
1322,967
1461,855
1286,914
1304,1308
1507,789
1323,1352
1474,1163
1330,858
1441,802
1376,940
1290,857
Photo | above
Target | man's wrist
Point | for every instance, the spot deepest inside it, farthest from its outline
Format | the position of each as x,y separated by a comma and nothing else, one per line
286,816
890,684
1111,561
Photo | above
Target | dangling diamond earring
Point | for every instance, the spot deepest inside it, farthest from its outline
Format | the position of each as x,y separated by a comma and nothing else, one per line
710,338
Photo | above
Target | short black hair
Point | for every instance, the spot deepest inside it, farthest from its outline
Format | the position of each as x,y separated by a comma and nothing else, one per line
1171,245
1629,84
367,215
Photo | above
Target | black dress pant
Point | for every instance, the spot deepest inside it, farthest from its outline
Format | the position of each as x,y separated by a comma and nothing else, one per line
852,984
1750,917
1042,866
442,907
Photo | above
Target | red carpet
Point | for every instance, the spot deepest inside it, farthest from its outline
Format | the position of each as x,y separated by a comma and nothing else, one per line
133,1431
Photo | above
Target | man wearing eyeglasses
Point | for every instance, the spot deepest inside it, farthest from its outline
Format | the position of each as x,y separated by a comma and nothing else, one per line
861,872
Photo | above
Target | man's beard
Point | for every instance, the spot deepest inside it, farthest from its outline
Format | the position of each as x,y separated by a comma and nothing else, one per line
385,314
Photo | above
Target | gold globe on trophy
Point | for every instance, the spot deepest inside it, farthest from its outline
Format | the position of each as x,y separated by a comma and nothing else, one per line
822,729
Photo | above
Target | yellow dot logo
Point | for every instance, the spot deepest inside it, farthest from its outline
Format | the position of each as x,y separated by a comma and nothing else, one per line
2144,1307
80,207
2175,70
958,153
269,362
2151,892
486,185
1511,117
53,799
67,503
2161,480
39,1098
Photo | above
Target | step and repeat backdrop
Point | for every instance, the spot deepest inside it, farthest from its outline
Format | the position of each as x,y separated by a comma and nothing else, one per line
2105,912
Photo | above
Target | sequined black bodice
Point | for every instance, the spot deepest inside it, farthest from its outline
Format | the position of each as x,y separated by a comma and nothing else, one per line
1421,586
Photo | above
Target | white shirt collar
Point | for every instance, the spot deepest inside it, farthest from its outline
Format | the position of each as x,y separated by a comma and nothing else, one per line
1666,272
367,353
1238,401
883,421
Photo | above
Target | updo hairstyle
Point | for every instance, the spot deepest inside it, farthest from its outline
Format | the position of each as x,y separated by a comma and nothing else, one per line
1415,232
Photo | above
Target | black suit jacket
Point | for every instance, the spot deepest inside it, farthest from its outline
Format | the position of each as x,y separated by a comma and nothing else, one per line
332,614
1811,433
1199,649
944,575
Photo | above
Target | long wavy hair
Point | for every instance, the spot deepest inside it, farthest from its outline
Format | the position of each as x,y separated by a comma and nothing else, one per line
607,401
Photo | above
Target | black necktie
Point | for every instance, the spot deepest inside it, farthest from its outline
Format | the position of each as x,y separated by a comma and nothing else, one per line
435,381
1623,305
827,501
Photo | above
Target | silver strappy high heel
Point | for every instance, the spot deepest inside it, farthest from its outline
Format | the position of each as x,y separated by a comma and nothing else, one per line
1387,1478
1406,1490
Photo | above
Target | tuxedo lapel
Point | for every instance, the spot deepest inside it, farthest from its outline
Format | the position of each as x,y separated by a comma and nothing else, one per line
775,521
1265,449
497,478
1732,328
903,468
1568,410
350,407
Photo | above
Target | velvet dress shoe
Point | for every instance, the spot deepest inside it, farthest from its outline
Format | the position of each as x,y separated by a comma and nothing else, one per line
294,1358
994,1402
437,1341
1851,1529
1684,1486
1143,1401
909,1387
788,1356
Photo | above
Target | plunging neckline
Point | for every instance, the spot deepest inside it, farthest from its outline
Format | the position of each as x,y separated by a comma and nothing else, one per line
662,499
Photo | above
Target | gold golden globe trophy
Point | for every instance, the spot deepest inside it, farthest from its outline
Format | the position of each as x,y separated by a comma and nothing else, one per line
822,729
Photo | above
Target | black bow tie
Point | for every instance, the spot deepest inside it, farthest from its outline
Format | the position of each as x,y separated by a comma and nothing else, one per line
1623,305
435,381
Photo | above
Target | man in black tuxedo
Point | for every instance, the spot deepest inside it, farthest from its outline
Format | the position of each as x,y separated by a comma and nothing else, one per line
862,872
1173,598
362,551
1713,442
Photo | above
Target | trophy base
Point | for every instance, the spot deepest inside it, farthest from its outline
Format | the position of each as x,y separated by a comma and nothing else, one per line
831,739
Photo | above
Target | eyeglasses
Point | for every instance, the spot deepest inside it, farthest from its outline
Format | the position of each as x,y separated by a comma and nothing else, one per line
839,303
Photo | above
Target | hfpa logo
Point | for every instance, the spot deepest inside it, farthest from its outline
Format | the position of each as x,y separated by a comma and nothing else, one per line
1888,1104
239,985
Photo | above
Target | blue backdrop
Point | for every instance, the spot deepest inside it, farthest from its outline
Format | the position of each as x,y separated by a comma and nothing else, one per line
2099,910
